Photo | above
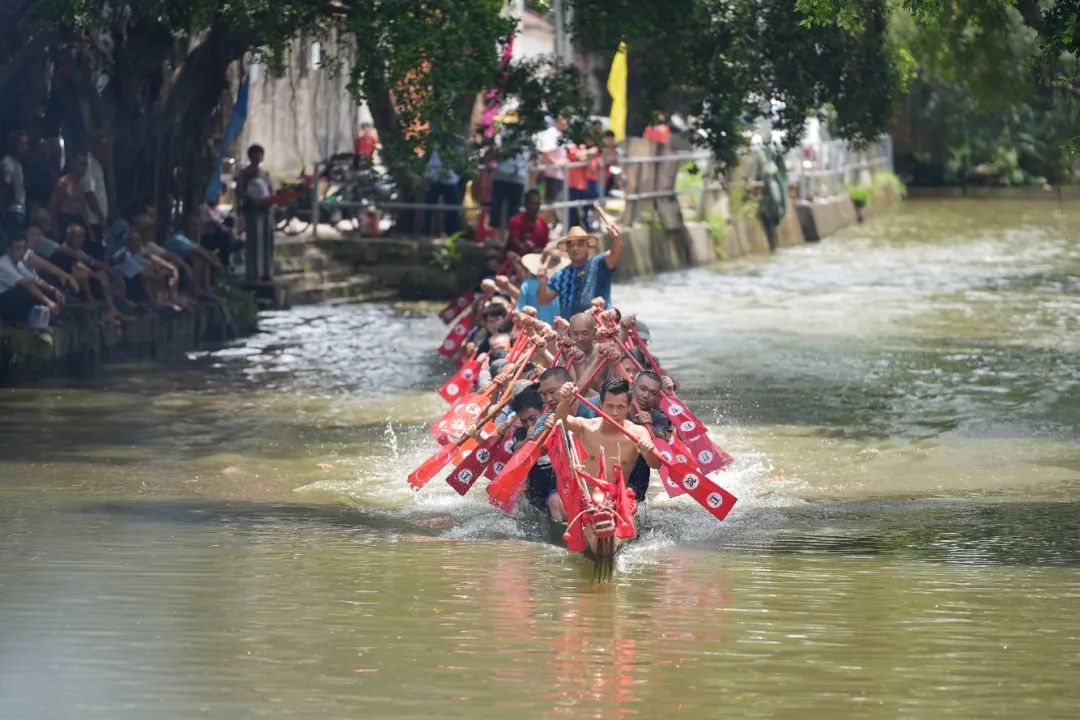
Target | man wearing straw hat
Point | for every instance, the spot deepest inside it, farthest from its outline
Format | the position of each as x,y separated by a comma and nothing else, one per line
548,263
586,277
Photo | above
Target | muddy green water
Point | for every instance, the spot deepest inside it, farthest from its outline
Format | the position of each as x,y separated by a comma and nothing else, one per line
231,536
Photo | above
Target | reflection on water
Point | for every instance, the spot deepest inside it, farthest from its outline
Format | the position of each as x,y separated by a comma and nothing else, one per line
231,535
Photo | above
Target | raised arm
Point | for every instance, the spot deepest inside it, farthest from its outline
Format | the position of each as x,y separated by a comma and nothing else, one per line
645,447
562,410
36,262
543,293
614,253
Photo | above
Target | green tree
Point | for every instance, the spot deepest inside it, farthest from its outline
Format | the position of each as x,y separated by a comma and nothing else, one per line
730,62
981,44
155,74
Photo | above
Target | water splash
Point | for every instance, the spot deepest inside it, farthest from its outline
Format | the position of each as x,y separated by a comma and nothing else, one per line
392,440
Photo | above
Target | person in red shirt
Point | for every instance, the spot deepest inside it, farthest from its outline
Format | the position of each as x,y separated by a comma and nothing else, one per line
659,132
366,141
527,231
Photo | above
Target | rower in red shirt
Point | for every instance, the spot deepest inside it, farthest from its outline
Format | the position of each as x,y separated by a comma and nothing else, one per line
527,231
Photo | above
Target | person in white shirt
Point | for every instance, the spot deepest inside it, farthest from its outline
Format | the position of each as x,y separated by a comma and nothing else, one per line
21,289
552,156
13,184
97,195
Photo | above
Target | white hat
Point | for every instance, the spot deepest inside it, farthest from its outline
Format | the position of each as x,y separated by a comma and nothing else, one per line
554,261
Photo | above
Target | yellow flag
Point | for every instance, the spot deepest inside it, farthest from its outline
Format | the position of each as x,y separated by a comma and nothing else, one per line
616,87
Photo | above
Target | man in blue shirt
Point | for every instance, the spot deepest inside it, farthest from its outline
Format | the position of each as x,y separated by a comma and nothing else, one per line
586,277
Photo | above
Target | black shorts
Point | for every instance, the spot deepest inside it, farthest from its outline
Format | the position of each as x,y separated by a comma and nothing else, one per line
639,479
135,291
542,485
63,261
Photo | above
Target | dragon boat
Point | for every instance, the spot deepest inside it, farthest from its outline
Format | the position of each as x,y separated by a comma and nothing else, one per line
478,438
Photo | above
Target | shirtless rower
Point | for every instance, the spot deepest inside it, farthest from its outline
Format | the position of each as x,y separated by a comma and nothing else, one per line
583,333
598,434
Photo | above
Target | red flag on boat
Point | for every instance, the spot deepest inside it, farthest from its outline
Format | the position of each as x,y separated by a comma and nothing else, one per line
569,491
466,474
625,504
456,337
451,311
461,382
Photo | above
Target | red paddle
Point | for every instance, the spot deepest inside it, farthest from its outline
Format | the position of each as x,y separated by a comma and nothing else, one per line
504,490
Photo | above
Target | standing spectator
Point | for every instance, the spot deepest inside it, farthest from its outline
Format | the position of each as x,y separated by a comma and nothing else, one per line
659,132
366,141
553,156
38,173
254,190
511,177
578,179
97,195
444,187
68,205
609,156
528,232
13,185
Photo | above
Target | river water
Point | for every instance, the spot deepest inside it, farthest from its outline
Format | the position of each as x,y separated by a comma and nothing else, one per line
231,535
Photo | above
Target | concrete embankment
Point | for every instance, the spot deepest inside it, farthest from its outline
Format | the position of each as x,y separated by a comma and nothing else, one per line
654,248
345,267
80,343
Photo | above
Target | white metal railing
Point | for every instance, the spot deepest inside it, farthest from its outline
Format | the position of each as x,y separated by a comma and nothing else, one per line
814,170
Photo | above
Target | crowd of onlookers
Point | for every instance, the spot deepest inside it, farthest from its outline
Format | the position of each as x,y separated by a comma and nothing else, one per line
559,170
62,243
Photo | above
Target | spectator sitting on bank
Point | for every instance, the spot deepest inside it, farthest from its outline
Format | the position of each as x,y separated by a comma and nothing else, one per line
38,251
13,185
528,232
68,204
163,258
21,289
146,280
91,274
203,262
216,230
165,266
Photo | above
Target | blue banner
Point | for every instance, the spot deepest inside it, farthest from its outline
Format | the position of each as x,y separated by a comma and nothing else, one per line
232,131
